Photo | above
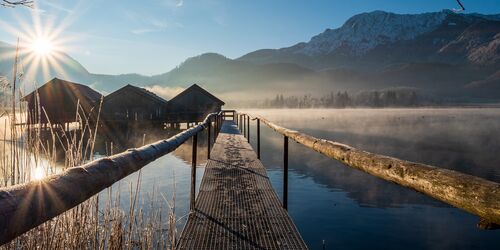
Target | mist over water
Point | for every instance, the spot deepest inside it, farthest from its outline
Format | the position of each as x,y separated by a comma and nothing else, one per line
346,208
465,140
350,209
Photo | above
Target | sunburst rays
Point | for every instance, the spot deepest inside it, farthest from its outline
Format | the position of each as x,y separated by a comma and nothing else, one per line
43,44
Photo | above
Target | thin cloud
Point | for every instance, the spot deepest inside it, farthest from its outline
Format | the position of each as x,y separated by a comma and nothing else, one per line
58,7
155,26
174,3
143,31
159,24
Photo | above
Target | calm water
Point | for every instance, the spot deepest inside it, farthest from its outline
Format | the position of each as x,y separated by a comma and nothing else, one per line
347,209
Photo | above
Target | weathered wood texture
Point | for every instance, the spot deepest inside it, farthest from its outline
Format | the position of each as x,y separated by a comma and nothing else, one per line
23,207
470,193
237,207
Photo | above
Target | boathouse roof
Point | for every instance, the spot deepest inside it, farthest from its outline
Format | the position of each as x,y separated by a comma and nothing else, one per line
140,91
194,88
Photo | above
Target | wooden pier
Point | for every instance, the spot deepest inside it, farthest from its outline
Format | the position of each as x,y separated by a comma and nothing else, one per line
237,208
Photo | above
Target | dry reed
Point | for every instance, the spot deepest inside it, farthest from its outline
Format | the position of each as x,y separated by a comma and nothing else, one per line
26,151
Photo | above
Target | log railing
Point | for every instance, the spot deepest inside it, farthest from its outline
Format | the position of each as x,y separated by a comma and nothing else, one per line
470,193
25,206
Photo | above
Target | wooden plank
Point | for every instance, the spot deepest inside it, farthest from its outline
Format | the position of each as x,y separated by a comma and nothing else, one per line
237,208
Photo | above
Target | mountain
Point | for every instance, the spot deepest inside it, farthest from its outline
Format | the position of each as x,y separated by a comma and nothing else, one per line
439,53
488,88
374,40
449,55
235,79
62,66
364,32
478,44
109,83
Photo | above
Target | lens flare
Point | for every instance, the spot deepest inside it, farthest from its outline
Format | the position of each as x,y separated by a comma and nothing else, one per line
38,173
42,46
43,42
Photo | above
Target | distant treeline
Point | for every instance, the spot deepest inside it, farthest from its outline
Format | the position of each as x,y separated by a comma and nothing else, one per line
383,98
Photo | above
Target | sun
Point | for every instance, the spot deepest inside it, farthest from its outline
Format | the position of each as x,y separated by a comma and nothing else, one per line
38,173
43,43
42,46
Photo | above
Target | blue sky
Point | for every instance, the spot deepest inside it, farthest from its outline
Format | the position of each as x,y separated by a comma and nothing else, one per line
153,36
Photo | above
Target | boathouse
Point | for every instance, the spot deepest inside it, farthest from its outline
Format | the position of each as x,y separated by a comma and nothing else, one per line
132,103
59,100
192,105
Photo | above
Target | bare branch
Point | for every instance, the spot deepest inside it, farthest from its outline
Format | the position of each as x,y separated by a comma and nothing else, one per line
462,8
15,3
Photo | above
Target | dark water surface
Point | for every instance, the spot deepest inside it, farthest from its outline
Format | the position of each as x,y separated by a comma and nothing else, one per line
348,209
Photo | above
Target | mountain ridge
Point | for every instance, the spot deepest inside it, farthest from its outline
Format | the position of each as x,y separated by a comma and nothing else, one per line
352,47
441,53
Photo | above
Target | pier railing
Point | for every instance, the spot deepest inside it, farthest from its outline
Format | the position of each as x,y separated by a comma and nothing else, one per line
25,206
473,194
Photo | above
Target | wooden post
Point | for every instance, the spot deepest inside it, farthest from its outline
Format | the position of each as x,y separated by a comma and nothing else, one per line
219,125
208,139
192,197
248,128
258,138
216,125
214,133
244,126
285,172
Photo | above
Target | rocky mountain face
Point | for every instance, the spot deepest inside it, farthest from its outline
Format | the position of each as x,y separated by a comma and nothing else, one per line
441,52
374,40
364,32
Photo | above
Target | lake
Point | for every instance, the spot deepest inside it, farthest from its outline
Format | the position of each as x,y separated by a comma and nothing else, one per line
344,208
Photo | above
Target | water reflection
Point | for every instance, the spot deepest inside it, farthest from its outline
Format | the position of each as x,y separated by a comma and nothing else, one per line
160,180
342,206
119,141
351,209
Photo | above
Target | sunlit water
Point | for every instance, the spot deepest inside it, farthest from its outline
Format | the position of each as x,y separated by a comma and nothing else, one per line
348,209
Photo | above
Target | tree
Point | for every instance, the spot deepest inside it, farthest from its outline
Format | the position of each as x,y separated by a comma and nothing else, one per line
15,3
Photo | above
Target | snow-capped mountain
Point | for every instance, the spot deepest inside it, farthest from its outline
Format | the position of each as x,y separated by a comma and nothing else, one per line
378,39
366,31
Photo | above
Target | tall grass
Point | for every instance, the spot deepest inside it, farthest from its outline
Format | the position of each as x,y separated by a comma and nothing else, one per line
28,151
